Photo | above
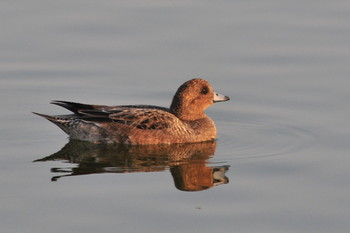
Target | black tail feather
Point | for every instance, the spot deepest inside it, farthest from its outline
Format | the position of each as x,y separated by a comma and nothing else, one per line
73,107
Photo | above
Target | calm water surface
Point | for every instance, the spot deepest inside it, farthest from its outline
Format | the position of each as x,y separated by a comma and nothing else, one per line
281,161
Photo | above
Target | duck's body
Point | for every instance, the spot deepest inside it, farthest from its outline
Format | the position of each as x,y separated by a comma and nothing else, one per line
184,122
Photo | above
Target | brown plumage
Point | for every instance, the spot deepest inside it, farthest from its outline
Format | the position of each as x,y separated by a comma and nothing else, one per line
184,122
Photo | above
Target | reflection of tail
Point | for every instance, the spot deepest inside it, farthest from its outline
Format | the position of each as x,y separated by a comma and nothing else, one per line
63,121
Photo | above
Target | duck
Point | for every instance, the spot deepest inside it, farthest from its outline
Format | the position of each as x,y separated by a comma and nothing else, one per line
184,122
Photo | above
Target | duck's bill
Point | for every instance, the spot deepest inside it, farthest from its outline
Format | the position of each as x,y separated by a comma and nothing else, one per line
219,98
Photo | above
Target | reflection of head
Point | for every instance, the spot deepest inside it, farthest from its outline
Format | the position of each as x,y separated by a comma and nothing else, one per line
197,176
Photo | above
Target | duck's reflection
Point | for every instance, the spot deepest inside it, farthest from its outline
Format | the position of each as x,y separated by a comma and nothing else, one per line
187,162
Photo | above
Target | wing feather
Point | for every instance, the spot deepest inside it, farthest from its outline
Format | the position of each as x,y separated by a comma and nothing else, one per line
144,118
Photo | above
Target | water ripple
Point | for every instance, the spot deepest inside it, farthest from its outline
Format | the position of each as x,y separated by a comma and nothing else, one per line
248,139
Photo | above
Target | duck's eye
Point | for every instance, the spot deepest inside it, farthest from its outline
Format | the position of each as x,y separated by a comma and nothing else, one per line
204,91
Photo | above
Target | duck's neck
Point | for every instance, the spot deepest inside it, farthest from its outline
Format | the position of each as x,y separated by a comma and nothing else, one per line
186,113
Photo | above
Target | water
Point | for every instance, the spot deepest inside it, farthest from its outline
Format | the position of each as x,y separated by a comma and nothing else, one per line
281,161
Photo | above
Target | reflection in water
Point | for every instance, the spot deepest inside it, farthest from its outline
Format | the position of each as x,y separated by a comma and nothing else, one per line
187,162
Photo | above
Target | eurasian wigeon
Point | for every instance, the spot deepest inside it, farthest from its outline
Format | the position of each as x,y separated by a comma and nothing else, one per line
184,122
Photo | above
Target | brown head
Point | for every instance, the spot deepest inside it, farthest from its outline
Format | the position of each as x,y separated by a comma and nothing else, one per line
192,98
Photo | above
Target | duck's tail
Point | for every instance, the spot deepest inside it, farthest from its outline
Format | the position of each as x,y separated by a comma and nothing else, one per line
62,121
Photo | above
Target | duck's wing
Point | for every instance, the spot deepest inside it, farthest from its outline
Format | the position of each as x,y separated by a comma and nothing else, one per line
144,118
147,117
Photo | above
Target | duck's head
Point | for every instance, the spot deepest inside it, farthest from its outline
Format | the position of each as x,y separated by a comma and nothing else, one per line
192,98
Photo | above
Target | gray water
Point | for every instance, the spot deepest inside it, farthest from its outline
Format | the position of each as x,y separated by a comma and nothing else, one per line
282,154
